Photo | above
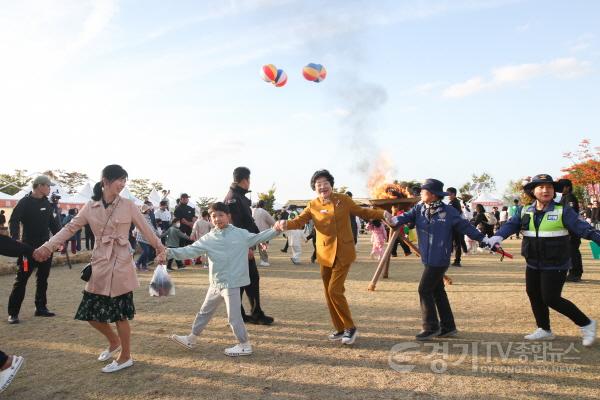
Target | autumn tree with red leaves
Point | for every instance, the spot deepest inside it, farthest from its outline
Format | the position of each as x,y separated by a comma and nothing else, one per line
585,171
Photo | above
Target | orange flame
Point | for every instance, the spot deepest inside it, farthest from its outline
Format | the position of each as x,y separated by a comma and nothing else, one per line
379,181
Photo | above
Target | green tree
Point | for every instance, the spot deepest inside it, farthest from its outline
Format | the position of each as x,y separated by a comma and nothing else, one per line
140,187
341,189
478,183
269,199
204,202
70,180
513,191
13,183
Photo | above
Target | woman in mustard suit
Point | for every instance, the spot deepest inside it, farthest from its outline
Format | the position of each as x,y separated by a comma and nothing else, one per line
330,213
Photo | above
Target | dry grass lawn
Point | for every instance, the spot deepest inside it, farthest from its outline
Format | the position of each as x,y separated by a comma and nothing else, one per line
294,360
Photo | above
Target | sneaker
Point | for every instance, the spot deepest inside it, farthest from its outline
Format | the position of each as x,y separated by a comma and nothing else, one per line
295,262
540,334
115,366
44,313
9,374
335,335
240,349
456,264
448,332
183,340
283,251
264,264
588,333
349,336
13,319
427,335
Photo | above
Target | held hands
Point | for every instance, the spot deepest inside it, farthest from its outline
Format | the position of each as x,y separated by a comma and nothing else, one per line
41,254
280,225
161,254
493,242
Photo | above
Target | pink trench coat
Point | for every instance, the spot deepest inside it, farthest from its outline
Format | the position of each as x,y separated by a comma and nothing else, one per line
113,269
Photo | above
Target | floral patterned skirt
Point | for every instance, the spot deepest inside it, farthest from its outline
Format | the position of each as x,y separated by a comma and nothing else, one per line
96,307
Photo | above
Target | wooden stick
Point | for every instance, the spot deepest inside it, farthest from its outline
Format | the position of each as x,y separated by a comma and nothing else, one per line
386,256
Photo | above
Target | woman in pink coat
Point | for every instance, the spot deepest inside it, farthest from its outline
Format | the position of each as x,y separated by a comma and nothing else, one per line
108,295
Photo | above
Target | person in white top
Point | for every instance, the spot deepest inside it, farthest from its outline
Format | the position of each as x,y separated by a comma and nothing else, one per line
164,215
201,227
263,221
503,215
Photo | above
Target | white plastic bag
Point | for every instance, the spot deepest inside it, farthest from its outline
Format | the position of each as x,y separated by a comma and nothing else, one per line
161,283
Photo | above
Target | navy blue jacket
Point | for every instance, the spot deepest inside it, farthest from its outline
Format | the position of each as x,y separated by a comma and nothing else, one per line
435,236
570,220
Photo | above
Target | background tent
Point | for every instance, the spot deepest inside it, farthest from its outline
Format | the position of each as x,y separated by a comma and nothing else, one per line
487,200
128,195
154,197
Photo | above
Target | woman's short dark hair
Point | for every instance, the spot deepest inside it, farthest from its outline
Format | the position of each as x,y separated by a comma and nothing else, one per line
111,173
322,173
241,173
479,208
219,206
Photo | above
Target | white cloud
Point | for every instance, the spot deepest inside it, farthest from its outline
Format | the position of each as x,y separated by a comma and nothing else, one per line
582,43
563,68
99,18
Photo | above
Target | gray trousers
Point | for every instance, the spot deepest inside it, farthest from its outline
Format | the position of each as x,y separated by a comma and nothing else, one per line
233,302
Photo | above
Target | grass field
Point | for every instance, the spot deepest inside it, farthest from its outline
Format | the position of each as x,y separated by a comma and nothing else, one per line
293,359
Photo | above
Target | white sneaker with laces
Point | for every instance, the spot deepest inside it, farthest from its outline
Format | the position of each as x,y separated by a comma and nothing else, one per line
240,349
115,366
588,333
7,376
540,334
264,264
184,340
107,354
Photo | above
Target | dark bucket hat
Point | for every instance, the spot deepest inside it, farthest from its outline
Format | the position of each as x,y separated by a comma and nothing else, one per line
434,186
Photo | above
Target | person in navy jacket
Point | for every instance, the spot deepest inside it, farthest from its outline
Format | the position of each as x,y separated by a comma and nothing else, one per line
547,229
435,223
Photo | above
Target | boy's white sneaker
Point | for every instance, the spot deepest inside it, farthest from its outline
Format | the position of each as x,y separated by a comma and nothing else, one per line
540,334
264,264
7,376
240,349
588,333
183,340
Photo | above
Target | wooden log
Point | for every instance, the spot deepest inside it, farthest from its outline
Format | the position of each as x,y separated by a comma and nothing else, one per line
385,258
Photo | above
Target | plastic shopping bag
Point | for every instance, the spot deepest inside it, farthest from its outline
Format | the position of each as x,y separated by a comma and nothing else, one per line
161,283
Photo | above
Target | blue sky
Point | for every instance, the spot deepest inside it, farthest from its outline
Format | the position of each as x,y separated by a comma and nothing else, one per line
171,90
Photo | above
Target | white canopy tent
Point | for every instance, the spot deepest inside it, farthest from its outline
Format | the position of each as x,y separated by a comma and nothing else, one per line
87,191
486,199
128,195
5,196
154,197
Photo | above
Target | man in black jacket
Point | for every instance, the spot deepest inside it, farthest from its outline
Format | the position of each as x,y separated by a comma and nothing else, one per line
34,212
569,199
457,239
241,217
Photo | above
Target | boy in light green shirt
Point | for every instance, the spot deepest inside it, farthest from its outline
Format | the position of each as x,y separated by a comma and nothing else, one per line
227,250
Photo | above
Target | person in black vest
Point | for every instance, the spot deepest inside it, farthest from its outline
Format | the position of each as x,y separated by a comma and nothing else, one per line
569,199
241,217
34,212
353,224
457,239
186,215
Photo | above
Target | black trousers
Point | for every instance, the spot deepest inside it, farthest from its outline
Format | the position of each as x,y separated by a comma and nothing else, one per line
544,288
285,248
404,246
90,240
434,300
458,241
18,292
252,290
170,262
577,264
3,358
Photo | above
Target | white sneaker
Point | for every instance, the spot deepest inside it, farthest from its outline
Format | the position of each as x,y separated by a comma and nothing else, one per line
115,366
241,349
540,334
107,354
9,374
264,264
183,340
588,333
